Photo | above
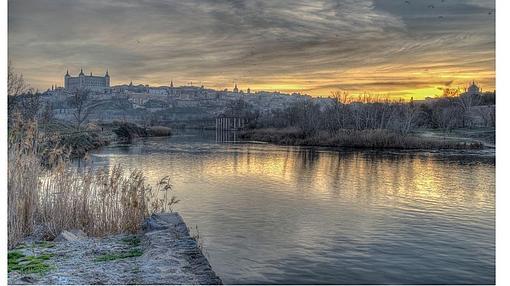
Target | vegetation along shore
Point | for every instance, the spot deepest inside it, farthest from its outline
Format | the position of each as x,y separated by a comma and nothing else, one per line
448,122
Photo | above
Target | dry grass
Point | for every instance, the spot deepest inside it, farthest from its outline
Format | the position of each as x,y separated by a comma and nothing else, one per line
99,202
370,138
22,180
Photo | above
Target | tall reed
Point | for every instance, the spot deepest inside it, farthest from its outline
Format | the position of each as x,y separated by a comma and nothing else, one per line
22,179
60,197
99,202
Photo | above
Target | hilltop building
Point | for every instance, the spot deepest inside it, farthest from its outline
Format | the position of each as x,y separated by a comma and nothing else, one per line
473,89
90,82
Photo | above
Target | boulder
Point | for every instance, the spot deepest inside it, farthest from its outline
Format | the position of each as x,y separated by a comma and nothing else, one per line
72,235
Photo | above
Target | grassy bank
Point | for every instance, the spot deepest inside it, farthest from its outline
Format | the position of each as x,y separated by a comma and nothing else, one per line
375,139
61,135
126,131
92,136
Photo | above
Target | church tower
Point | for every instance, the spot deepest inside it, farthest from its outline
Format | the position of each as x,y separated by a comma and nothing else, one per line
107,78
66,80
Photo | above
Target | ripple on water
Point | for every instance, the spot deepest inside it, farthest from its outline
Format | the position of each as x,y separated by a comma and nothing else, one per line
275,214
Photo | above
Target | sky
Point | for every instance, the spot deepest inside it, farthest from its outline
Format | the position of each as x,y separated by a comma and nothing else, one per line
395,48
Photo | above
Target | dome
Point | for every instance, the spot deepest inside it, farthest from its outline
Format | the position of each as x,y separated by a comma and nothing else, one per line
473,88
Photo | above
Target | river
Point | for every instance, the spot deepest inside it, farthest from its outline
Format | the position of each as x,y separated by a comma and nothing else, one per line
276,214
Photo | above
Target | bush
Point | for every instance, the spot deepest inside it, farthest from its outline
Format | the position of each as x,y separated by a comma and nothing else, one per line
158,131
129,131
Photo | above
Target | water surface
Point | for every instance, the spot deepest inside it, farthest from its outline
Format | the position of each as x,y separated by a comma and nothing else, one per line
277,214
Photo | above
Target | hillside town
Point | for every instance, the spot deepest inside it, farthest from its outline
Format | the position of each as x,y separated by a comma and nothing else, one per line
141,102
192,105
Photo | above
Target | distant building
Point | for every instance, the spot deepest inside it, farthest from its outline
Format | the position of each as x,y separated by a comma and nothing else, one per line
90,82
236,90
473,89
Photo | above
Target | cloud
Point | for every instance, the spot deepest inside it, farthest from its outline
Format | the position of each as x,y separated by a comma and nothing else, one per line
252,42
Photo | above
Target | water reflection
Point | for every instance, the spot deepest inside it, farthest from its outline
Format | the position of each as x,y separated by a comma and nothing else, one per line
223,136
272,214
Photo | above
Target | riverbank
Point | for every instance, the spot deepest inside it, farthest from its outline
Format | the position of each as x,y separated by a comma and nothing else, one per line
94,136
373,139
163,253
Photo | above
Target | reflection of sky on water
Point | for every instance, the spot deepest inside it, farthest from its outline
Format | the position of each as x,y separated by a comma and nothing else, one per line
273,214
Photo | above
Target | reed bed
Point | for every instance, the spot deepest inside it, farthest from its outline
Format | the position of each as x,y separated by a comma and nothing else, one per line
56,197
22,180
370,138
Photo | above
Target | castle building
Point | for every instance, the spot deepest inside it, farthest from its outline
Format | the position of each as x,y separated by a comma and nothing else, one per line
90,82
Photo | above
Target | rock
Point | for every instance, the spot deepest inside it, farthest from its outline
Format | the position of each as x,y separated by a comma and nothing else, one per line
78,232
72,235
154,223
28,279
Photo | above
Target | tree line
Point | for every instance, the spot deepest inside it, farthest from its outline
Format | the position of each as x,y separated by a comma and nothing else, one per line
368,112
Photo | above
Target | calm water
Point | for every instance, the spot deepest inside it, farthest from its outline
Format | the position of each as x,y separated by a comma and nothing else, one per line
273,214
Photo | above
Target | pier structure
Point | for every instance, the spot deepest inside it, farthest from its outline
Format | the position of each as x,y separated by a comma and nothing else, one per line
227,127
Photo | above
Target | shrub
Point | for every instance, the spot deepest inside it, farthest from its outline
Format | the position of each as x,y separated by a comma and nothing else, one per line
158,131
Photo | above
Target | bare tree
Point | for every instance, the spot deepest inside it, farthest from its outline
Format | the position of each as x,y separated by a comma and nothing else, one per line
83,107
341,111
21,98
16,84
466,103
47,113
451,92
410,113
29,105
488,115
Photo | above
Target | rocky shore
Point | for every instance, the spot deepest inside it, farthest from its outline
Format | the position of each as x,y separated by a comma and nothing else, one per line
163,253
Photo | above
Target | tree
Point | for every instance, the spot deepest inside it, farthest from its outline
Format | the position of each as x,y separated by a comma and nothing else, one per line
83,107
16,84
488,115
466,103
21,98
410,113
47,113
340,110
451,92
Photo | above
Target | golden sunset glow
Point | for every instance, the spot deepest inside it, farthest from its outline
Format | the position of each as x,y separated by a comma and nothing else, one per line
387,47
